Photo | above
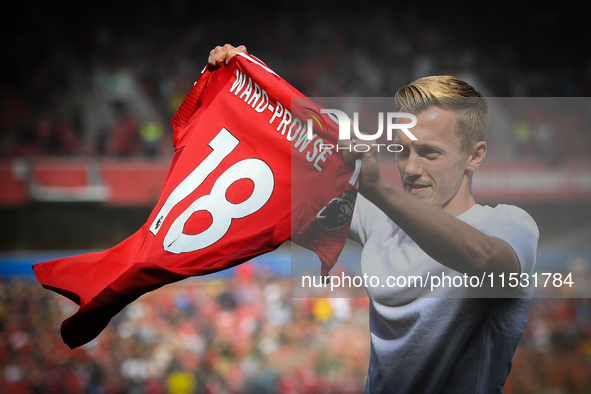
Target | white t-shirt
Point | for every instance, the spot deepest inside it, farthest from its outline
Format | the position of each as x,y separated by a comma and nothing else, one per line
445,340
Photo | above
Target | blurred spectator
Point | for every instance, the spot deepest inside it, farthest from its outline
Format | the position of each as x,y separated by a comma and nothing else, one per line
523,137
123,139
543,133
151,134
180,382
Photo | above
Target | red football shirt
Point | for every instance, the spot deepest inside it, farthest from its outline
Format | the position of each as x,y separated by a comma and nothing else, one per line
239,153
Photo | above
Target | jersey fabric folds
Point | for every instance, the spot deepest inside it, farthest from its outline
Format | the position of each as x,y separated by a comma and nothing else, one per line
226,199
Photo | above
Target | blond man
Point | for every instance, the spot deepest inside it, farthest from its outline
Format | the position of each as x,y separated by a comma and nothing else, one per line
445,340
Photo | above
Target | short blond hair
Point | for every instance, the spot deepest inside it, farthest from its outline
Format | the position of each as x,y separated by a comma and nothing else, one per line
448,92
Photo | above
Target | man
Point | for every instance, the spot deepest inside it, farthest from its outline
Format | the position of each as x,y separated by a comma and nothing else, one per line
444,341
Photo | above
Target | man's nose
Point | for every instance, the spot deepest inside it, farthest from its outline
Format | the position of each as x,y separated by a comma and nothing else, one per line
413,165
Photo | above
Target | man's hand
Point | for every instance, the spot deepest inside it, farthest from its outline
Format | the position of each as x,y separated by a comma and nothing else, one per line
220,56
370,177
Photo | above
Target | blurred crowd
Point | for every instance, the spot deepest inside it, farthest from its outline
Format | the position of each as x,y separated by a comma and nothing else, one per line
240,336
369,52
246,335
554,355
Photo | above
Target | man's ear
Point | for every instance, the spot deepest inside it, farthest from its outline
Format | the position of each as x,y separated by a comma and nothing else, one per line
476,155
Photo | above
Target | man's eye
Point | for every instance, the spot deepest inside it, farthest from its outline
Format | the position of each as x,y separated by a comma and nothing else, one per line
430,153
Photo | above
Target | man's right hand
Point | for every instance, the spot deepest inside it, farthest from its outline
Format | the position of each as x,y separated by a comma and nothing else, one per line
220,56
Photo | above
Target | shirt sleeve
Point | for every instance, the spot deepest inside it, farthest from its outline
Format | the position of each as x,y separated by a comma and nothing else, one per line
516,227
366,216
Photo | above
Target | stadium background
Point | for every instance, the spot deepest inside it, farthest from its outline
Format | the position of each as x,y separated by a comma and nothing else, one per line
86,96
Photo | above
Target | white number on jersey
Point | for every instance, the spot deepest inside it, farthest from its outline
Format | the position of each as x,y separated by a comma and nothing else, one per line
221,210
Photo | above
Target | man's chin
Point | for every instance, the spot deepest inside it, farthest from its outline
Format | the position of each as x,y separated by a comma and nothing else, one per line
423,197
